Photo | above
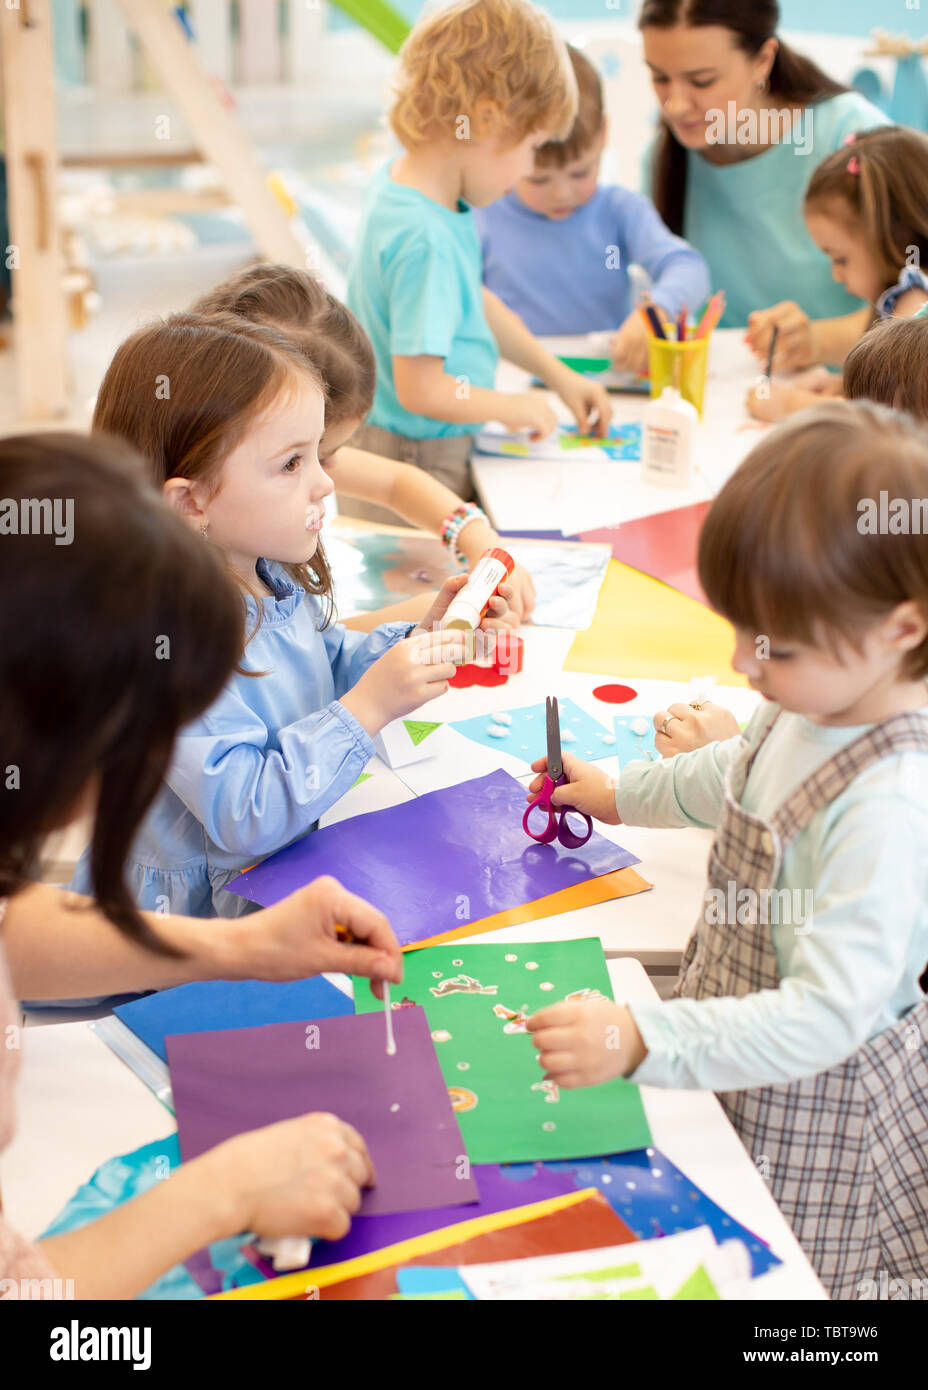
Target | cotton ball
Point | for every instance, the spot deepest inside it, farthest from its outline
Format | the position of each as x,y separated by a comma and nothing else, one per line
640,726
568,736
497,731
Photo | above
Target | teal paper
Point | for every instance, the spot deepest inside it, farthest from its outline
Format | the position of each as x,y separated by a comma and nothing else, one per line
631,747
525,736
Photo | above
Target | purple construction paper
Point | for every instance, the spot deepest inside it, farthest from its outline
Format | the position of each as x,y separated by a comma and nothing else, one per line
498,1192
438,861
227,1082
536,536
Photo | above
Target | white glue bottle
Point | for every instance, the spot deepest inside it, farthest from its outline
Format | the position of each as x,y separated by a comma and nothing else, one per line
667,440
466,609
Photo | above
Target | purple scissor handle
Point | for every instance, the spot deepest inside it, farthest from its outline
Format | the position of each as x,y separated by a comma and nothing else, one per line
557,827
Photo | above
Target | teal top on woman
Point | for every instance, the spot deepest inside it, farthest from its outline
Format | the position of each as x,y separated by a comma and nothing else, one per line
746,219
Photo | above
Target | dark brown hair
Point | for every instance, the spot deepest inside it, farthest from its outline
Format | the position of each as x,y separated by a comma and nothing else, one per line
884,194
326,332
589,123
794,79
218,374
889,364
110,643
781,551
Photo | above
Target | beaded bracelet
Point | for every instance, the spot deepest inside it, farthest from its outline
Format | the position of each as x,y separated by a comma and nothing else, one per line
454,524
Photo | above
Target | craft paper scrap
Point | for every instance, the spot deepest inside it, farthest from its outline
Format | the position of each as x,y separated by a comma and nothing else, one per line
565,442
644,628
686,1266
476,999
634,739
568,579
436,862
663,545
654,1198
228,1082
497,1191
213,1004
521,732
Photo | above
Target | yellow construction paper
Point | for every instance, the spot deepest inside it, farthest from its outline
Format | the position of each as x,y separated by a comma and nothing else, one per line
621,883
644,628
289,1285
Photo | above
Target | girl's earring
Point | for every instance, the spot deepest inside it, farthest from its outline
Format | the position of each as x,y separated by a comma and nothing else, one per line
204,531
762,86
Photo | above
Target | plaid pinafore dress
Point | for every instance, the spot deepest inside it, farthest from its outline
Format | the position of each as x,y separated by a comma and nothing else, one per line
847,1149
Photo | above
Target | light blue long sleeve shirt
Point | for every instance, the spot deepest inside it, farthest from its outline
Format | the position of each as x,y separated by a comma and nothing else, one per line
570,275
855,972
264,762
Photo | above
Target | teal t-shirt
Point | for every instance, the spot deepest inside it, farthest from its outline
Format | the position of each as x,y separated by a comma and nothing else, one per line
415,283
746,219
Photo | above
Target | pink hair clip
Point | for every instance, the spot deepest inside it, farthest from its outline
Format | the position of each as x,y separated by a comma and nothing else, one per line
853,165
849,139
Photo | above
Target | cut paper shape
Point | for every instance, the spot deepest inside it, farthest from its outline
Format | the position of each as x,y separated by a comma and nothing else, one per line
576,1221
362,777
644,628
498,1192
615,694
634,744
214,1004
654,1198
525,739
227,1082
663,546
622,443
437,862
419,729
471,674
507,1120
621,884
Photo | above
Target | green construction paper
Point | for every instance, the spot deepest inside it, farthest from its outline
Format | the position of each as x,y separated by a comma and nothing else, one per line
647,1293
364,777
697,1287
505,1114
419,729
632,1271
587,364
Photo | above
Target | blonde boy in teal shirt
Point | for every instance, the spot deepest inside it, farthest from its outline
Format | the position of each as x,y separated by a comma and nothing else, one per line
469,129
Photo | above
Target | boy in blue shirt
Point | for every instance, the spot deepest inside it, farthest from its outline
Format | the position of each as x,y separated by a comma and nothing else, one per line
557,248
469,126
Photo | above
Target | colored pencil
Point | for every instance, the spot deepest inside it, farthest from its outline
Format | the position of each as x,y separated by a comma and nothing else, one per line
773,348
714,310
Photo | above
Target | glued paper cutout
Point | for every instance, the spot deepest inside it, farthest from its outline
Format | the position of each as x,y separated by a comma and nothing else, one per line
524,737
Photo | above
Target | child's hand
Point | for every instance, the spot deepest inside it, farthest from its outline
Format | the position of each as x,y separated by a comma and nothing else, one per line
520,596
818,380
774,400
589,789
628,348
587,401
795,346
585,1044
527,410
411,672
495,616
689,728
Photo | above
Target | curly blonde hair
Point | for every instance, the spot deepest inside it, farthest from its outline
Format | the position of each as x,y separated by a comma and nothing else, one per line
504,50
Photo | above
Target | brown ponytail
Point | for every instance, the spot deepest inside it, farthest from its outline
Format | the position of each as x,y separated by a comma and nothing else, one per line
794,79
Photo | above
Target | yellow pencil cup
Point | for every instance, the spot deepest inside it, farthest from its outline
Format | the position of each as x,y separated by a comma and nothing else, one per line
682,365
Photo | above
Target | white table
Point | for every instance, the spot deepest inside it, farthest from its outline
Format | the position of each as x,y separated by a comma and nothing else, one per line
537,495
78,1106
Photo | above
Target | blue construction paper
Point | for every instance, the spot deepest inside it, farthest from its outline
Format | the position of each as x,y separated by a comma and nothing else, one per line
526,736
217,1004
631,747
416,1280
654,1198
219,1266
439,861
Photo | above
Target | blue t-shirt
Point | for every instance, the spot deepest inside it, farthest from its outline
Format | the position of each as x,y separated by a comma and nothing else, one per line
570,275
415,284
747,218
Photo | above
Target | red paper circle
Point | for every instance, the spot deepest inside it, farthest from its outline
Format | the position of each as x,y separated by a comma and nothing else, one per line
466,676
615,694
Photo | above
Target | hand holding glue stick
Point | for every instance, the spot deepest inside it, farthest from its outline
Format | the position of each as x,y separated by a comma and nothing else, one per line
466,611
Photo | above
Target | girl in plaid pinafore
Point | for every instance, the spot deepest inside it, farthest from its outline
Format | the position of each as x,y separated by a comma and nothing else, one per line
814,1034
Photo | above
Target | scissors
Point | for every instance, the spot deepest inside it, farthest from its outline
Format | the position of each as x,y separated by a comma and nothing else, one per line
557,827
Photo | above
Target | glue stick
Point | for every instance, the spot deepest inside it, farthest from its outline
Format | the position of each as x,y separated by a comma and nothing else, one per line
467,607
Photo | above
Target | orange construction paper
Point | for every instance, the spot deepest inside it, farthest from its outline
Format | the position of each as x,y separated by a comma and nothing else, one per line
621,883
